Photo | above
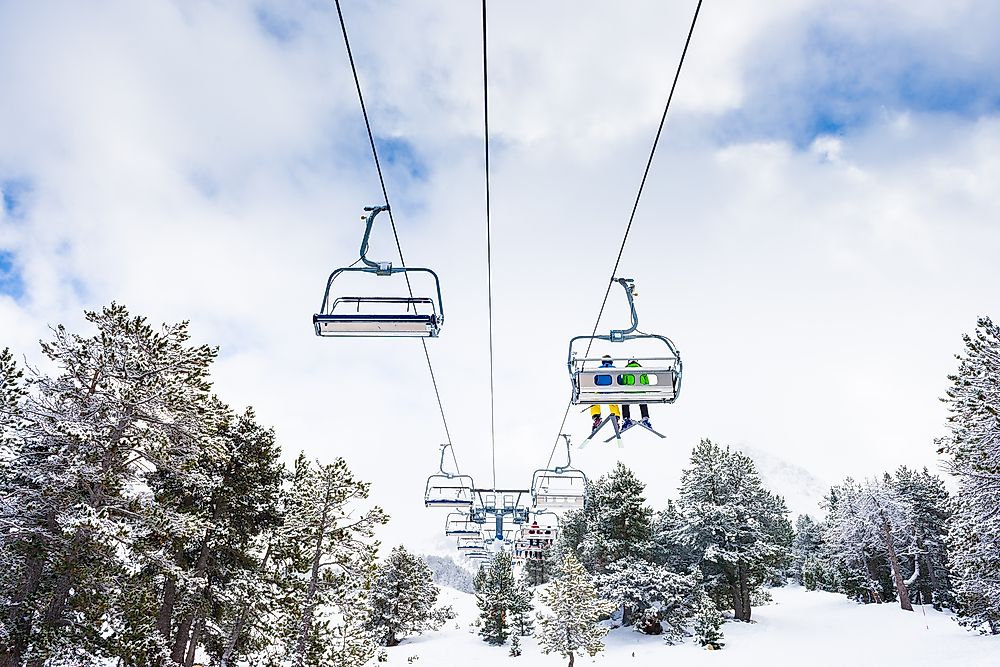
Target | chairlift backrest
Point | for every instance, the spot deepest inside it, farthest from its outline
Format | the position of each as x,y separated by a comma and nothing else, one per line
657,380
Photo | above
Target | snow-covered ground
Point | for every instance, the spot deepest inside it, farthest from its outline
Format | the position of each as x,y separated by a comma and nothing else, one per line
799,628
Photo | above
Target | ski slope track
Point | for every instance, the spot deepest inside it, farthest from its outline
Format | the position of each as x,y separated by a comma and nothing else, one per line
800,627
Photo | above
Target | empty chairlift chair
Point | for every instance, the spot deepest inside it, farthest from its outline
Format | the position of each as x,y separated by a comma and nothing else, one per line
460,523
470,543
445,489
559,488
379,316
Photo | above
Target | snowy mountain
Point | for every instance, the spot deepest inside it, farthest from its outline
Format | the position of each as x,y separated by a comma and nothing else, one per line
802,490
449,573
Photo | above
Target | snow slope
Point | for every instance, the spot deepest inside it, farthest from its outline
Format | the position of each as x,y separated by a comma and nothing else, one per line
801,627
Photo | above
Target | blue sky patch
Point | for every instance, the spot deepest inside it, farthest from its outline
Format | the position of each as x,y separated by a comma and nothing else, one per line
399,154
11,281
841,80
15,191
278,26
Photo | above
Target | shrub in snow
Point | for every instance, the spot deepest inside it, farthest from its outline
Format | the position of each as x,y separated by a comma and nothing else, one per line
650,597
708,624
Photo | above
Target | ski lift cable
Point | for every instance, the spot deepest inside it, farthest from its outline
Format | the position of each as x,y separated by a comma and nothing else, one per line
392,221
635,207
489,253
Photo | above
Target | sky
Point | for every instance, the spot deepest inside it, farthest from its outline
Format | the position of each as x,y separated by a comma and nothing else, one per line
818,230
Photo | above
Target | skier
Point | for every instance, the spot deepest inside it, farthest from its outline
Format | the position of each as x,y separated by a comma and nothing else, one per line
643,408
595,410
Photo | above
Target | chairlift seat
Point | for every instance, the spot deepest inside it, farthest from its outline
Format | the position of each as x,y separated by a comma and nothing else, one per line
630,386
458,524
339,321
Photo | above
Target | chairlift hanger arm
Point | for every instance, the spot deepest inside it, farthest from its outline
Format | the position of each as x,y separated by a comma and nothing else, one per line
369,221
628,284
569,456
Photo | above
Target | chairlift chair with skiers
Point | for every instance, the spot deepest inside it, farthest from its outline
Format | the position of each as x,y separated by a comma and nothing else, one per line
379,316
629,378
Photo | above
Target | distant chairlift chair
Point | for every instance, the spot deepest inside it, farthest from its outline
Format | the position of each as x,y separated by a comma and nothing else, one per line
445,489
559,488
390,316
656,379
460,524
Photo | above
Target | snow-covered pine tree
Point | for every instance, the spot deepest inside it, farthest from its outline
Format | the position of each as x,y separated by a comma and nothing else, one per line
218,515
249,619
127,400
402,599
737,528
571,626
572,531
807,551
973,448
869,519
708,623
539,571
350,639
669,545
494,597
521,621
930,508
479,580
326,552
618,521
857,568
14,624
650,597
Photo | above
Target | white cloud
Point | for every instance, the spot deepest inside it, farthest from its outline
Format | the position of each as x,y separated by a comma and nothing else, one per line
189,164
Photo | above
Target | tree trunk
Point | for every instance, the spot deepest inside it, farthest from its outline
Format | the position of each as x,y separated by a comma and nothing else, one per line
734,578
234,635
181,638
873,581
932,579
165,615
310,604
199,628
744,593
571,656
904,597
19,615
